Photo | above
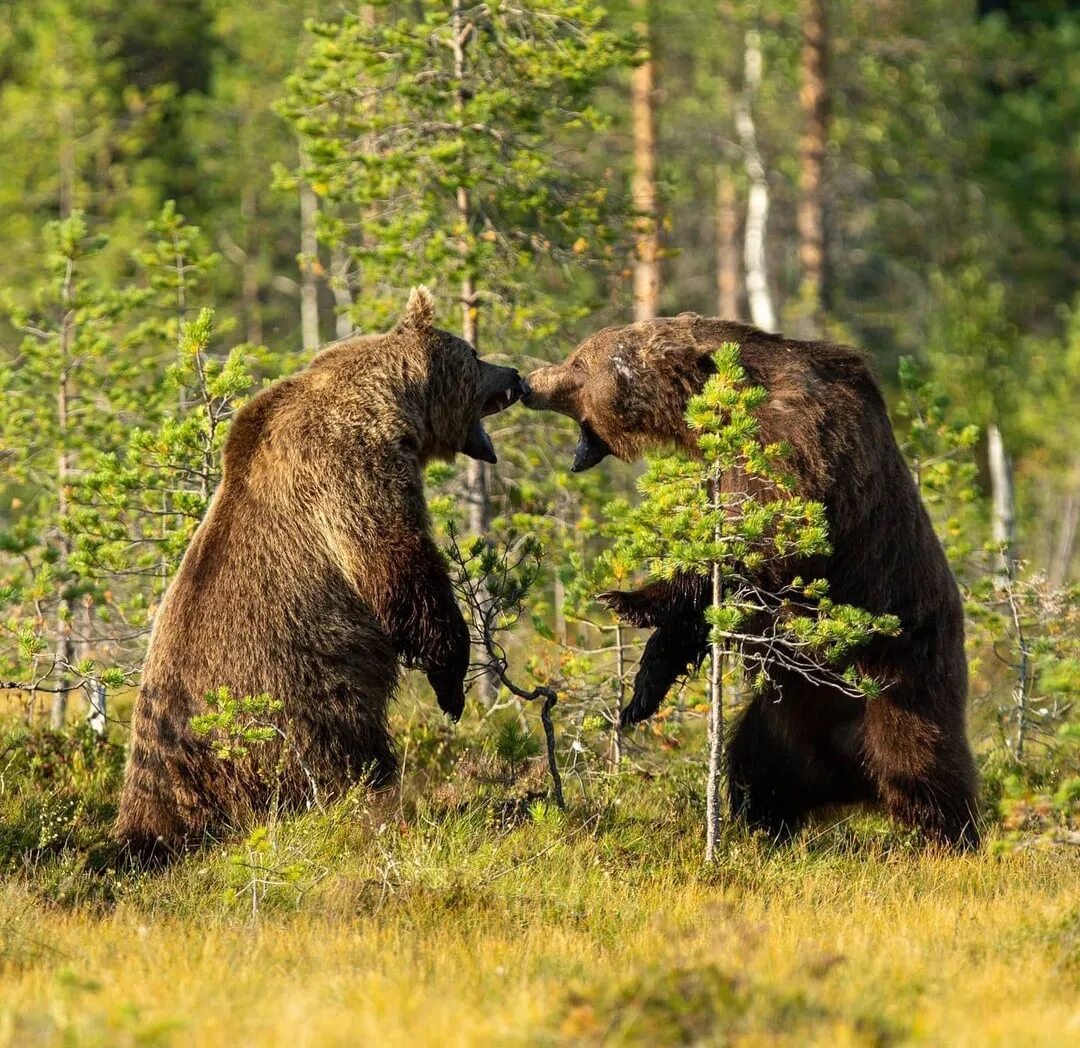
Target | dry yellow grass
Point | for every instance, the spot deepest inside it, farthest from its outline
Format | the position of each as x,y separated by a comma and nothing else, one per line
596,926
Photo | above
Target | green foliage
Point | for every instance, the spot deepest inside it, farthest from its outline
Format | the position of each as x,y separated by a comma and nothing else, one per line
941,454
730,512
951,228
431,129
234,724
66,394
513,744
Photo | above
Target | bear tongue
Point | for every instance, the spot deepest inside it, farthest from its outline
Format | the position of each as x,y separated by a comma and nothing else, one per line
478,444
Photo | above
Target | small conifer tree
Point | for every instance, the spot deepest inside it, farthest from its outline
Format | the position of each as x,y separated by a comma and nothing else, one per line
731,513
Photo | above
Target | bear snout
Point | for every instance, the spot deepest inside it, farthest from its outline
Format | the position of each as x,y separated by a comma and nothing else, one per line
551,388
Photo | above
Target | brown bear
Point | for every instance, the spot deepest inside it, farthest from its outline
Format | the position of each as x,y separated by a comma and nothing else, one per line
798,746
311,578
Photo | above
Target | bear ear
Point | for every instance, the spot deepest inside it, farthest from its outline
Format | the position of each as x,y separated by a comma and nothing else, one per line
419,312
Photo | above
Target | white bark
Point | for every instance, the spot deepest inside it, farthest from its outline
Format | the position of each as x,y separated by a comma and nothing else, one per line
714,787
1003,520
1003,533
758,296
97,716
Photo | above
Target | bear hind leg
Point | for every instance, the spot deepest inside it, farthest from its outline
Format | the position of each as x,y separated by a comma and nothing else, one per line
924,772
769,786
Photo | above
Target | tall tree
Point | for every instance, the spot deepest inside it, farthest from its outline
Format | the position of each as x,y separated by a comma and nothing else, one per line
755,243
643,121
814,101
749,538
63,397
727,245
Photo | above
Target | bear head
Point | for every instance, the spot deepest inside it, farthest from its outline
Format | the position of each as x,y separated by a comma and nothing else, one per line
626,387
417,384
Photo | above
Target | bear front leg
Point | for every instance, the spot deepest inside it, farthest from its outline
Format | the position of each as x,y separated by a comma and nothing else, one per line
673,650
428,629
657,602
676,609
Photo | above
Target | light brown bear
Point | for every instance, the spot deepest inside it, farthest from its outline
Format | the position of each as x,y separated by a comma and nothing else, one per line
798,746
311,579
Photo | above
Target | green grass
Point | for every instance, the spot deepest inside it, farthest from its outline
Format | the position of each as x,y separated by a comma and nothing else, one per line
469,911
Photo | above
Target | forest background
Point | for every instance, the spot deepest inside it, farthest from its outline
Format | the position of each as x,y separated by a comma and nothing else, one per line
195,197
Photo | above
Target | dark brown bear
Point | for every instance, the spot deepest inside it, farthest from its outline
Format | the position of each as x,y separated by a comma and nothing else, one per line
312,577
798,746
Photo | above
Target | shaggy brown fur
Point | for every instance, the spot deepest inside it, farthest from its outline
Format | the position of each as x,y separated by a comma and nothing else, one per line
312,576
798,746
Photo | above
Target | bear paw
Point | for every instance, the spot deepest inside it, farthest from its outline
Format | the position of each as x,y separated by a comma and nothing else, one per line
450,696
635,608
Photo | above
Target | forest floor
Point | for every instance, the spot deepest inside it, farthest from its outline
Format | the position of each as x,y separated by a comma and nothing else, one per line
470,912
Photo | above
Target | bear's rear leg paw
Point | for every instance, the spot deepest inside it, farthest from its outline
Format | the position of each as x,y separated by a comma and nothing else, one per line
953,824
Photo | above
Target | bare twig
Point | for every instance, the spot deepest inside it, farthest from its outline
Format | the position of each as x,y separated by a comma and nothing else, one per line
482,600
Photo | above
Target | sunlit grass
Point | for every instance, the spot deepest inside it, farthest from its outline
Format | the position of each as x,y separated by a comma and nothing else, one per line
470,912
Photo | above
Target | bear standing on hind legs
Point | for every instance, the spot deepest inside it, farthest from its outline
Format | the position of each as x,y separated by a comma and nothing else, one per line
312,576
799,745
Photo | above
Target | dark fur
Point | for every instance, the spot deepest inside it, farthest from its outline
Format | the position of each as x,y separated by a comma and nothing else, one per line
799,747
311,578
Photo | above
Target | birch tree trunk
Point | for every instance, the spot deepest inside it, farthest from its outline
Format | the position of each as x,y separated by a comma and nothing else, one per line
1003,533
727,246
1002,528
643,186
715,786
97,712
758,296
814,101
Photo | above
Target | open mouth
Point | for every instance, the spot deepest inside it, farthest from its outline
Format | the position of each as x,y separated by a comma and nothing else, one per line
478,444
500,401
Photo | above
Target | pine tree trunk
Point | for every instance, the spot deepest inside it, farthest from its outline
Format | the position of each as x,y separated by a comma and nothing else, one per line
814,100
643,188
250,268
727,246
342,289
476,480
757,206
309,286
1065,541
65,644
